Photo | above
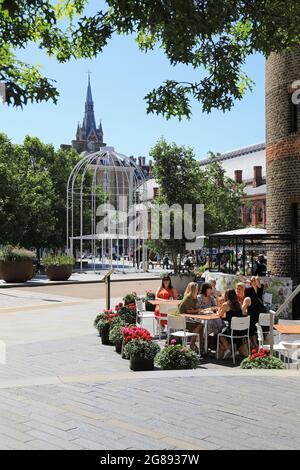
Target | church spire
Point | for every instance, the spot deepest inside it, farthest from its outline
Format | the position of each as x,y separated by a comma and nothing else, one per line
89,123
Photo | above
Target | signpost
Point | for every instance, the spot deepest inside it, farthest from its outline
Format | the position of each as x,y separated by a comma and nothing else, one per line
106,279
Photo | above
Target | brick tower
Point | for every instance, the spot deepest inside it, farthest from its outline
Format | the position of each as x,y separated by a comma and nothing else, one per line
283,156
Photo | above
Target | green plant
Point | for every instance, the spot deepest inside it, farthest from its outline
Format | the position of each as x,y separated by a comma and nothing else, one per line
15,253
176,356
261,360
115,334
129,299
59,260
127,313
104,318
149,295
143,349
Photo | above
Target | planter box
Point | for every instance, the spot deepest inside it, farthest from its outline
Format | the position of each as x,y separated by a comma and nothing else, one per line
17,271
59,273
137,363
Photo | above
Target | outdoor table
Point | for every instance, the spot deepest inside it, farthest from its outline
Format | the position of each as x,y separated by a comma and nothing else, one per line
288,329
165,302
200,316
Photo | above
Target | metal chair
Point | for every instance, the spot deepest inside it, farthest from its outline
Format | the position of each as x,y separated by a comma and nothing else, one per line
178,323
288,347
237,324
142,314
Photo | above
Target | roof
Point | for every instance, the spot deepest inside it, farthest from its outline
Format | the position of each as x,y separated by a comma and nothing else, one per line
235,153
242,232
250,191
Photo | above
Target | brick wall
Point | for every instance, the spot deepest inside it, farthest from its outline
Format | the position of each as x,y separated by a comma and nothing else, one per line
282,155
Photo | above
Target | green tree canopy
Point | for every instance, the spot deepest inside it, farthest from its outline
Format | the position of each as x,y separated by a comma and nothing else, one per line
212,36
33,193
181,181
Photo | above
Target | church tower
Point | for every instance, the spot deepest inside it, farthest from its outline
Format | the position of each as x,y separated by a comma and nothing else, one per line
89,137
283,159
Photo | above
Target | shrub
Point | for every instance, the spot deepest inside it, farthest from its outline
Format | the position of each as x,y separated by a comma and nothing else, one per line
115,333
127,313
15,253
143,349
59,260
130,298
261,360
102,319
176,356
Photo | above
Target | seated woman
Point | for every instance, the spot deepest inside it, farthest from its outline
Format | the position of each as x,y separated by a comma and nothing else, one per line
207,301
164,292
231,308
189,305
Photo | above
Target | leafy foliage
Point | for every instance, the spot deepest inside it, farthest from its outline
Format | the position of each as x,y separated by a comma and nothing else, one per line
182,181
15,253
212,37
261,360
177,357
142,349
59,260
115,334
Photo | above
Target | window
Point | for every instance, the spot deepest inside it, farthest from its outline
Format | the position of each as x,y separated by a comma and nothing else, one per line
293,116
260,214
294,214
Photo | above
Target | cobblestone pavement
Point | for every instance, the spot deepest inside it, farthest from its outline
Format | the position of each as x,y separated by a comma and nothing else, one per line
61,389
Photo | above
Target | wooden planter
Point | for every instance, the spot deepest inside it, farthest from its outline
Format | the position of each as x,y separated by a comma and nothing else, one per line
59,273
17,271
137,363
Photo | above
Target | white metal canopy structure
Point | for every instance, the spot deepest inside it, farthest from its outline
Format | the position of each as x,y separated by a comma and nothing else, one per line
103,194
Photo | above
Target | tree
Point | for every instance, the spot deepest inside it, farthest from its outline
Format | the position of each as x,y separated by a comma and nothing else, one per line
33,193
212,36
182,181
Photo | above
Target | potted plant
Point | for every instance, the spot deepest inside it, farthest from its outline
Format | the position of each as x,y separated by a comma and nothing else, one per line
103,325
261,359
115,334
149,296
59,267
129,299
127,313
133,332
16,264
142,354
176,356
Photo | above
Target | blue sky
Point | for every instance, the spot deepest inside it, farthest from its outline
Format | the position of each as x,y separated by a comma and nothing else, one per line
120,78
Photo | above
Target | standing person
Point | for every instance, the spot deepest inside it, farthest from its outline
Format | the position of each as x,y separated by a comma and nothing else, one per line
158,259
166,261
165,292
261,266
230,308
255,306
189,305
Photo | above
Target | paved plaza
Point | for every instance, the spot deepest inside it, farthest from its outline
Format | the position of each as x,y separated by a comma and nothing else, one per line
62,389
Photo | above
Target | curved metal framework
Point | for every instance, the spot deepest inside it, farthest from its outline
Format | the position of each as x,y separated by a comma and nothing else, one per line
117,228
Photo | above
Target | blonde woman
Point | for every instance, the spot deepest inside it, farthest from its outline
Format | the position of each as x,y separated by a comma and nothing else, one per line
188,305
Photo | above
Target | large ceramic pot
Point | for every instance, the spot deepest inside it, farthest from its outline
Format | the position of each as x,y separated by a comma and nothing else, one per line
137,363
180,282
105,334
17,271
59,273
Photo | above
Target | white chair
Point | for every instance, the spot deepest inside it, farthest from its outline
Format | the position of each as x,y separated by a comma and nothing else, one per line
164,309
237,324
291,347
142,314
177,323
277,347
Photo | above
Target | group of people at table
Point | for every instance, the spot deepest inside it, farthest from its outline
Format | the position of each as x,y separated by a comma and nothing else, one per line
204,299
